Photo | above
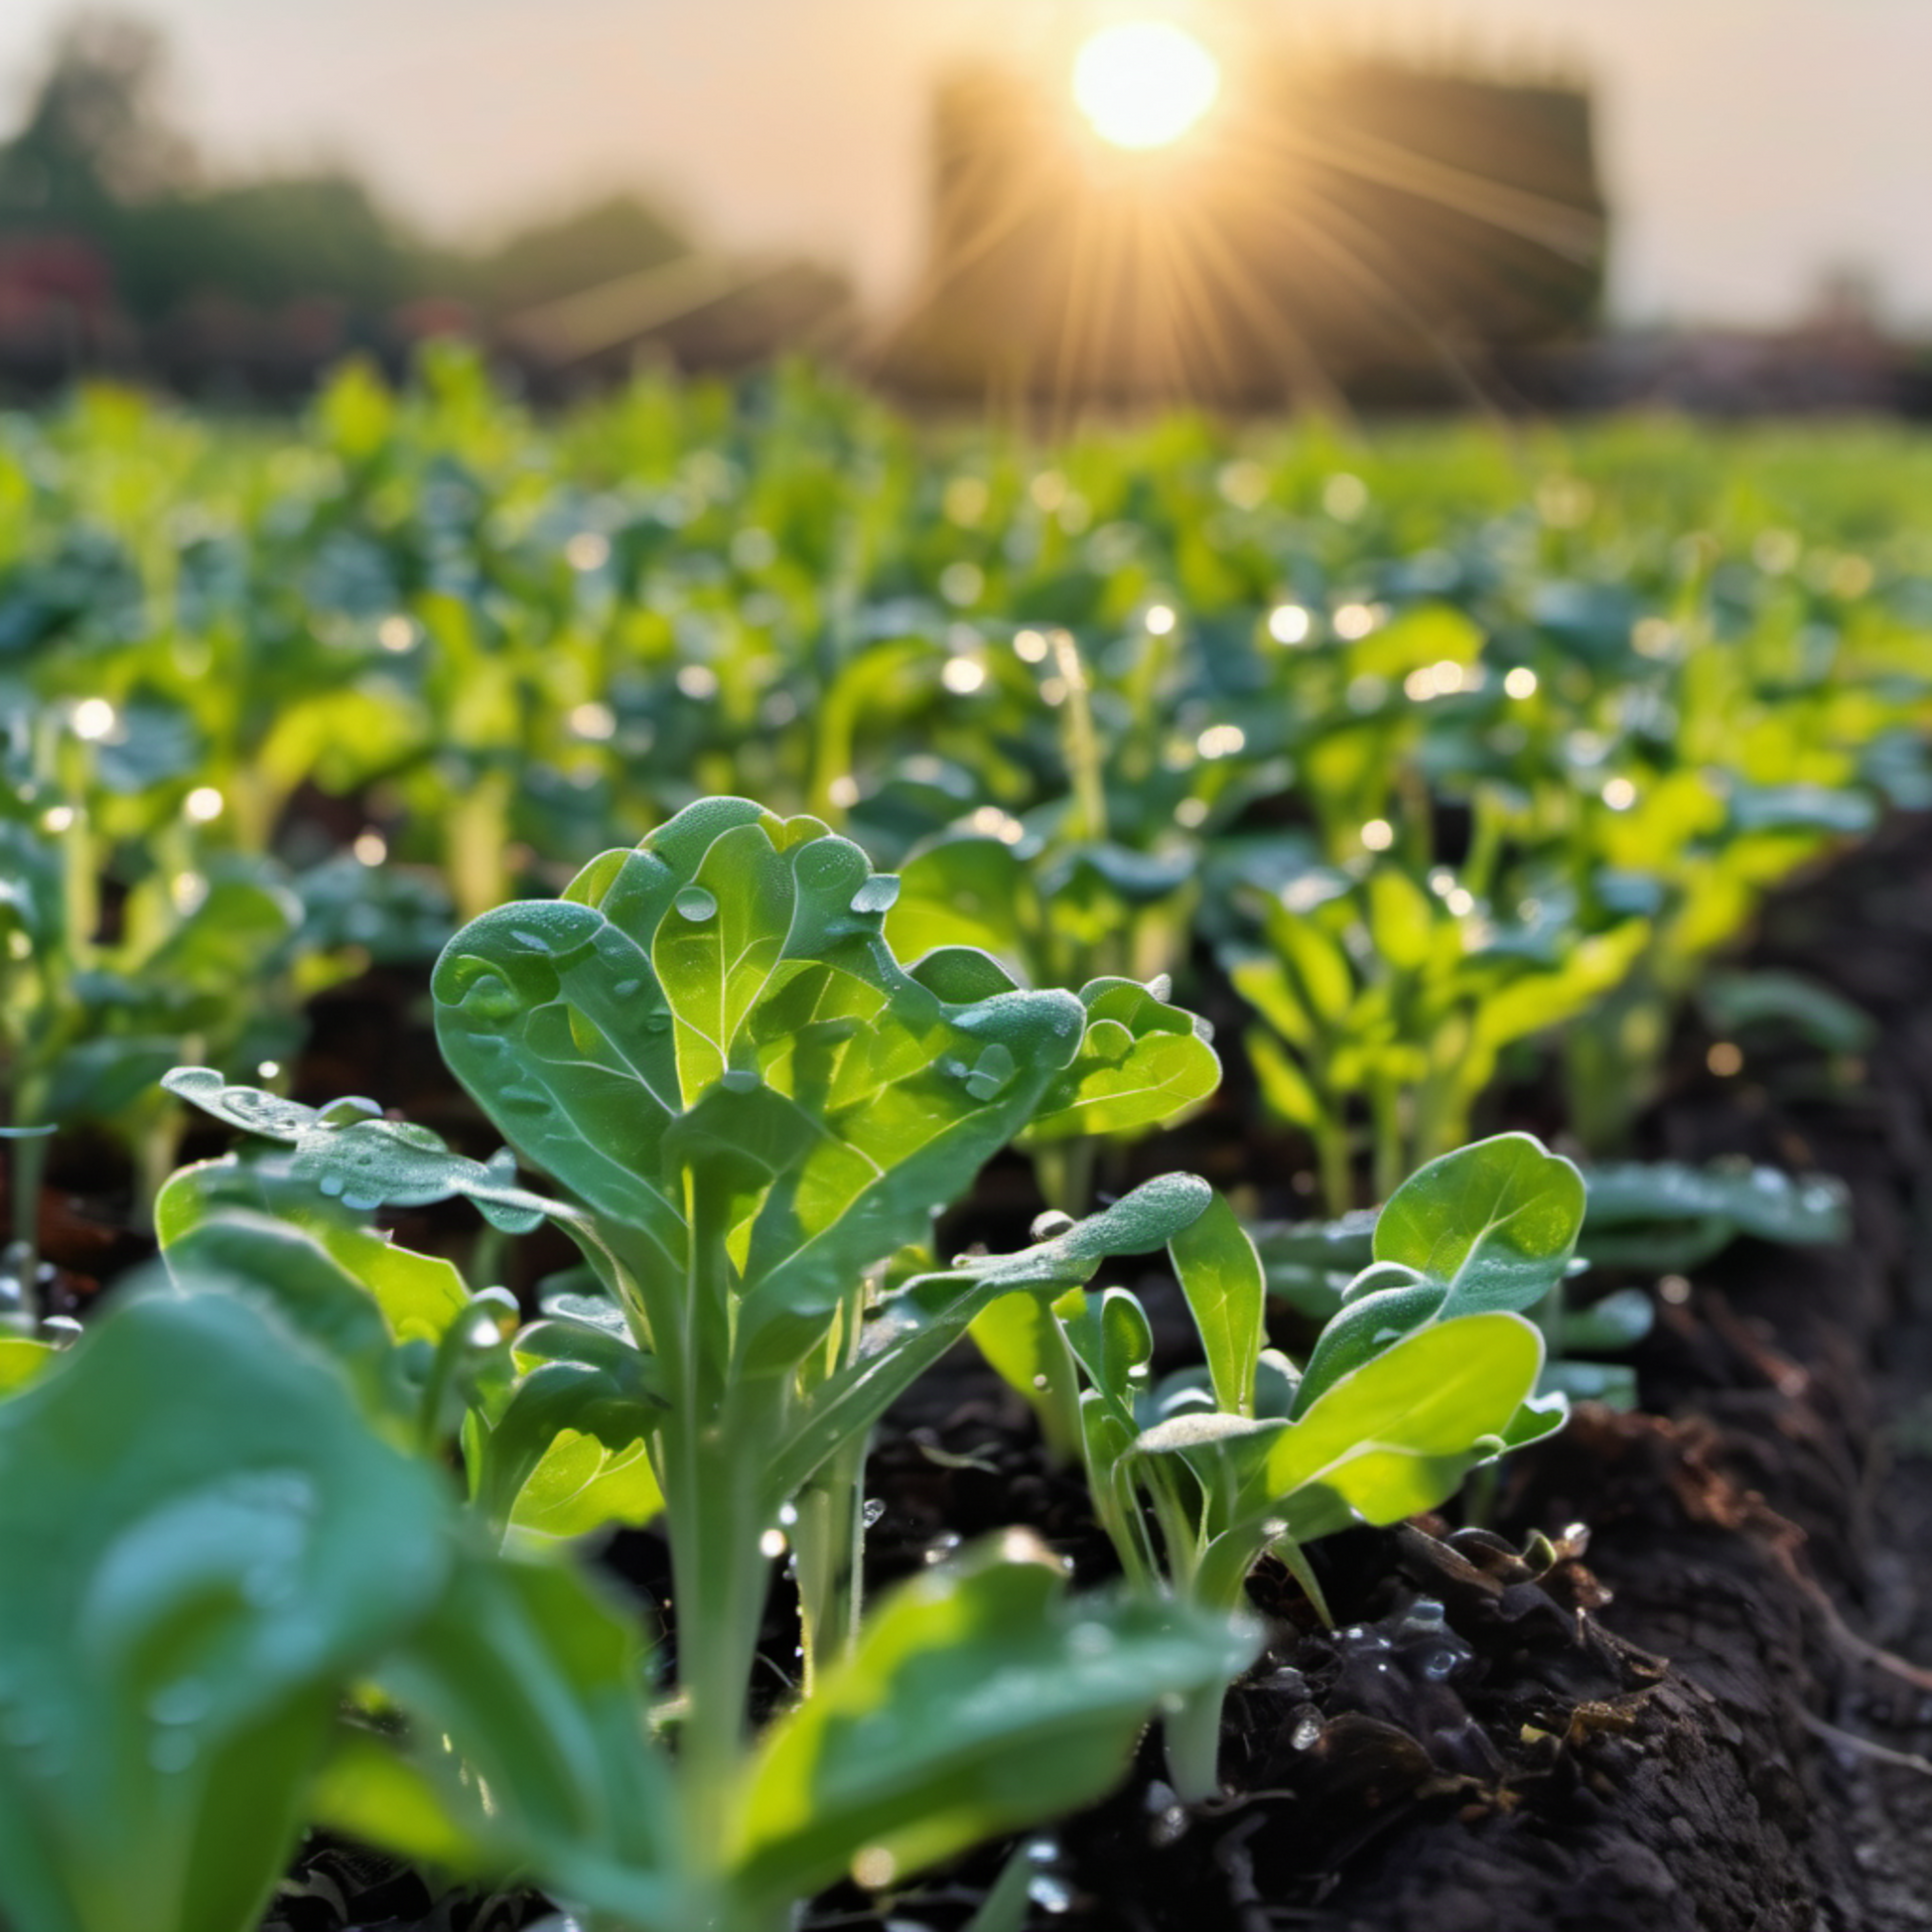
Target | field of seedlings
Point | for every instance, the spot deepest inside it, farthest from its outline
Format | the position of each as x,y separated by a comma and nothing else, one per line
770,1168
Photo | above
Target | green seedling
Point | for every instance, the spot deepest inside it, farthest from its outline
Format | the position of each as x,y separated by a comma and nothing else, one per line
235,1608
1427,1373
1652,1216
749,1106
1385,1000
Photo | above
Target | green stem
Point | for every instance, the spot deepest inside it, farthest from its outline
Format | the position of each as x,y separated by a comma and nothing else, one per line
829,1539
1190,1737
26,1168
1385,1103
1080,743
1333,1164
719,1581
1064,1169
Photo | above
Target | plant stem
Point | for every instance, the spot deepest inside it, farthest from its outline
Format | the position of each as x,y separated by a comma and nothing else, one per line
25,1165
1332,1161
719,1581
1079,743
829,1540
1064,1169
1190,1736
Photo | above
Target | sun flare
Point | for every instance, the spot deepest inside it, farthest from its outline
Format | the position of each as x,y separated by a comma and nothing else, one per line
1145,82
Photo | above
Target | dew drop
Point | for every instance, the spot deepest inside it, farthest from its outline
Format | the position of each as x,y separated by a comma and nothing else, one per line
740,1080
1091,1640
877,894
1306,1733
874,1510
695,904
1050,1893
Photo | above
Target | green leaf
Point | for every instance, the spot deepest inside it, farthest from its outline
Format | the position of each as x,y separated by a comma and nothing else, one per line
963,892
980,1698
610,1403
1221,1273
280,1267
1737,1002
581,1484
1396,1436
219,1544
1494,1224
721,1002
529,1746
1141,1064
1646,1198
348,1153
1024,1346
926,1313
420,1296
23,1361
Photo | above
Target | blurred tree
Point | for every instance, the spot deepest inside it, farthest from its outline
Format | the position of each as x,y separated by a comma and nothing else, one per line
616,236
95,136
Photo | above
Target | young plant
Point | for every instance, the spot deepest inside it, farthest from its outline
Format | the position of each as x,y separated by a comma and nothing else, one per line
1428,1371
234,1608
1383,999
752,1106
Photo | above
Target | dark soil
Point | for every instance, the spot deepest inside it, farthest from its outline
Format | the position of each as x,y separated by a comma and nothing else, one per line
1647,1698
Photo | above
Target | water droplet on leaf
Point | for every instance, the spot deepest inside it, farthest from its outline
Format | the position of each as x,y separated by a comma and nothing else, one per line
695,904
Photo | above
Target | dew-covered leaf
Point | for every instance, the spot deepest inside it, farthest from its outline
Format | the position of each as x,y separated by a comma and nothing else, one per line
981,1698
218,1545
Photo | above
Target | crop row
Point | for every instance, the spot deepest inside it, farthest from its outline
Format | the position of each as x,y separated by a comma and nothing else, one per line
1445,764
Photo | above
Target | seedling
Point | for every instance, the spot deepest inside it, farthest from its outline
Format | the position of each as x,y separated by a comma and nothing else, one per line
1427,1373
225,1555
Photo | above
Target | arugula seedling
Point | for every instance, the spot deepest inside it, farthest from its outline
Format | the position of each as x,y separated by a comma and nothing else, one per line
710,1044
224,1558
1385,1000
1427,1373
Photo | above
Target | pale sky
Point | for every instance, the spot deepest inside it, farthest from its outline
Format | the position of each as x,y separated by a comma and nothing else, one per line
1748,145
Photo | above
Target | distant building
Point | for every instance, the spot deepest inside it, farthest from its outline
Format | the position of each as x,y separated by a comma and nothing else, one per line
1354,226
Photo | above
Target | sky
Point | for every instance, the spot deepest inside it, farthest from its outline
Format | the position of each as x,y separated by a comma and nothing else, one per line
1749,146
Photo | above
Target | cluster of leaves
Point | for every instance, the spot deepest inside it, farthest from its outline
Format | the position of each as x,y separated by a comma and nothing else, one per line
1550,736
748,1107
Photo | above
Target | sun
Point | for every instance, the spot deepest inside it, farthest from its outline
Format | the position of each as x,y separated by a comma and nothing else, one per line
1145,82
